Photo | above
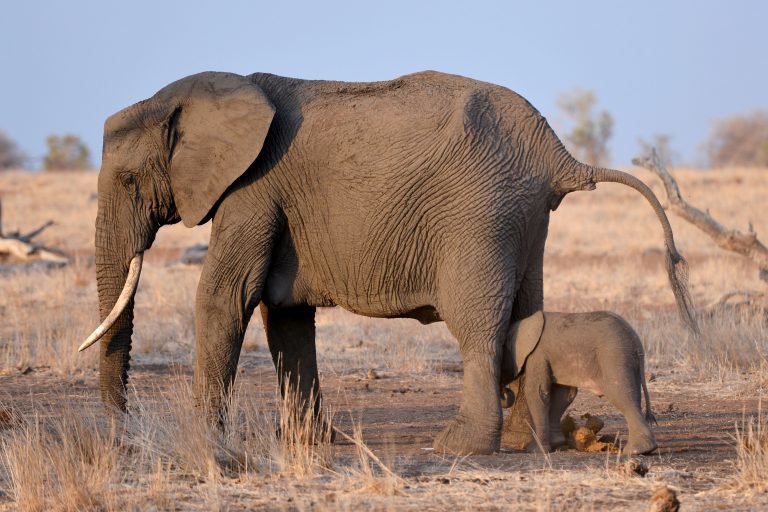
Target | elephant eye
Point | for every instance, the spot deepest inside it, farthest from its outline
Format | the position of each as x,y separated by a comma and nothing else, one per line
128,180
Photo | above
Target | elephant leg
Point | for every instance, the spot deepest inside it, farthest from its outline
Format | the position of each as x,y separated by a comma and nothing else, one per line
291,339
538,390
560,399
624,394
516,431
476,429
477,314
230,288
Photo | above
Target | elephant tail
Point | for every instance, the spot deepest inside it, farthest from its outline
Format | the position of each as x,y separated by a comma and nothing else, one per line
677,267
649,417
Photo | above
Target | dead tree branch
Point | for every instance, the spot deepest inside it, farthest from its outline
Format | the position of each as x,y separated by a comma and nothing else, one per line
733,240
32,234
21,247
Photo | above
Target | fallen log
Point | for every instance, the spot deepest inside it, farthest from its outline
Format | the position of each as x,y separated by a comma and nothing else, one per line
21,247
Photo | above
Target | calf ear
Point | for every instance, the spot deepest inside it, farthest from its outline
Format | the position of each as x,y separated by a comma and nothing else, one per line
522,339
215,130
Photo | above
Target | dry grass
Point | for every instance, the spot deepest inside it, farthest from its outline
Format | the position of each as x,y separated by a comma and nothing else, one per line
65,462
751,464
47,313
731,345
43,313
370,471
603,253
72,459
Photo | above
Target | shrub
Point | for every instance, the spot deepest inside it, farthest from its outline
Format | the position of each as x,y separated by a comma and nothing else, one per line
10,156
740,140
66,153
588,138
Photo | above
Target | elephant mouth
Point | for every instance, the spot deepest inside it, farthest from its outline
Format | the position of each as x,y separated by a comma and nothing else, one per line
129,289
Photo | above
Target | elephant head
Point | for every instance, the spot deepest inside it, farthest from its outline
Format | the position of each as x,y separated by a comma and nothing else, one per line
165,159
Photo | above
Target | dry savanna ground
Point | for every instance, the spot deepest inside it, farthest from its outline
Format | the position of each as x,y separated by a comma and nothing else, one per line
390,384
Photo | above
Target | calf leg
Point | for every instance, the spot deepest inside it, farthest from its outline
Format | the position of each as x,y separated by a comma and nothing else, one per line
537,389
560,399
626,398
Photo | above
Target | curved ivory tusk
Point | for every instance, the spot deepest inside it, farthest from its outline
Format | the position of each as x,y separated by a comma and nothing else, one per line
131,282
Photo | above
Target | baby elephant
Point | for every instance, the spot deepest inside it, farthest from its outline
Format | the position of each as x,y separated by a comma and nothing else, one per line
547,356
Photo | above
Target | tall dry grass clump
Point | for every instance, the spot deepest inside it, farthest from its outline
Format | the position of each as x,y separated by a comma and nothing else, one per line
305,441
75,459
375,475
253,437
752,454
731,343
65,462
171,432
44,313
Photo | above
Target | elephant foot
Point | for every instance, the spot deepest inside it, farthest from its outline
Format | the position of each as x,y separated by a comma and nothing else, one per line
534,447
467,438
321,432
324,433
557,438
641,446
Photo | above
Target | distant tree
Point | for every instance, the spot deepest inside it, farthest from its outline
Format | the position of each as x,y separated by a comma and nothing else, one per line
661,141
588,138
740,140
66,153
10,156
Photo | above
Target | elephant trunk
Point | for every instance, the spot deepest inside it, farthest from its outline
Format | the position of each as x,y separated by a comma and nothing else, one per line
677,267
126,295
117,270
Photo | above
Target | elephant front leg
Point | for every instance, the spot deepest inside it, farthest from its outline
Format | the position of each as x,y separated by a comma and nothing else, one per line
561,398
291,339
220,323
226,298
537,388
516,431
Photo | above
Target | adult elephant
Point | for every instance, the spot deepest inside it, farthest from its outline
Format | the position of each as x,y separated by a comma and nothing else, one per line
425,197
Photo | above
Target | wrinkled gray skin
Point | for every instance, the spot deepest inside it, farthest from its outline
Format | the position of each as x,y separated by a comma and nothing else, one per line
426,197
561,352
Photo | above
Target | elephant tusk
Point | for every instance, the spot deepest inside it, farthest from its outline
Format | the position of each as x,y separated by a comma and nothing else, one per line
131,282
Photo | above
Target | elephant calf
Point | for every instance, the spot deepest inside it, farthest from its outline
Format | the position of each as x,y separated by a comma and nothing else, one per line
547,356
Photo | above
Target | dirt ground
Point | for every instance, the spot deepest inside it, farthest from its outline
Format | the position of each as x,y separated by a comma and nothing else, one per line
400,382
400,414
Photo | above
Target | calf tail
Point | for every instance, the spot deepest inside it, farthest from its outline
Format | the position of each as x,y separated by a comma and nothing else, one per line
649,417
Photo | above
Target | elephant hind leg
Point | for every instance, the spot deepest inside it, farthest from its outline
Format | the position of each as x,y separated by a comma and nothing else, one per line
627,400
516,432
477,312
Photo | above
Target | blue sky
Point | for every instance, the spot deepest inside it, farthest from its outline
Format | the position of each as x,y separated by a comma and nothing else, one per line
657,66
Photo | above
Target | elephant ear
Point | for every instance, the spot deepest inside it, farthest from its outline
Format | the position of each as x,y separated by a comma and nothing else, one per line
522,340
215,132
